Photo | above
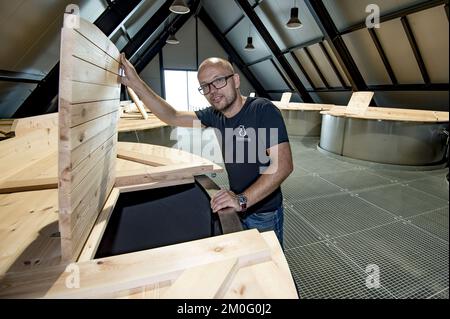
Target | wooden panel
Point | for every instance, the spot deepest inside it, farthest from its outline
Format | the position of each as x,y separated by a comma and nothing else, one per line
89,104
90,52
159,184
114,274
159,155
286,98
19,153
134,122
24,125
393,114
28,230
94,35
28,185
81,113
204,282
86,72
139,104
271,279
359,102
98,230
153,174
78,92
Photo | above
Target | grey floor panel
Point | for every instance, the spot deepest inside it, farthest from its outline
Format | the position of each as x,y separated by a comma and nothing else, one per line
355,179
398,176
297,232
435,222
402,200
323,165
341,214
308,186
320,271
441,295
412,263
301,155
435,185
412,253
305,142
298,171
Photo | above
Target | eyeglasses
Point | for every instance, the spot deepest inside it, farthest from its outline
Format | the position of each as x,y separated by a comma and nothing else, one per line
217,83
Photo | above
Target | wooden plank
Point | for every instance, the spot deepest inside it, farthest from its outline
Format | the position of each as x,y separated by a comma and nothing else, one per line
139,269
93,184
80,222
24,125
42,168
286,98
159,155
87,150
134,121
97,37
84,112
88,147
86,72
359,102
271,279
71,178
153,174
393,114
204,282
28,185
302,106
90,248
77,92
152,185
138,103
143,158
28,222
34,142
90,52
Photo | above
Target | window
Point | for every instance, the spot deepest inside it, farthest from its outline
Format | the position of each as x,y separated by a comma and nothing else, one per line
182,90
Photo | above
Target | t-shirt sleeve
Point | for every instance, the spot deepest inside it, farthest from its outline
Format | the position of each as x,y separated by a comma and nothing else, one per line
206,116
272,121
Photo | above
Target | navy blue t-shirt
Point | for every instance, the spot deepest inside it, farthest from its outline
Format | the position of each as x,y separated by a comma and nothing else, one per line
244,139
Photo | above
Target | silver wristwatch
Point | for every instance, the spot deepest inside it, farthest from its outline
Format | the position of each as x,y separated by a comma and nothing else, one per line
242,199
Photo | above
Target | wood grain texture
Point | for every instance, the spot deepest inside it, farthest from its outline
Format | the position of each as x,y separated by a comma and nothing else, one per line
109,276
89,94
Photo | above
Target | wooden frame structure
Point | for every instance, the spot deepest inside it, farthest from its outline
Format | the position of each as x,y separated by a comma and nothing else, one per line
52,254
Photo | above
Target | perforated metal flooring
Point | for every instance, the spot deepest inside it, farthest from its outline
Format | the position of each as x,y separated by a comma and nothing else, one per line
344,221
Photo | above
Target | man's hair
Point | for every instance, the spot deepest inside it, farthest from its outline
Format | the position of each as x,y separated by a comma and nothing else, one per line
216,62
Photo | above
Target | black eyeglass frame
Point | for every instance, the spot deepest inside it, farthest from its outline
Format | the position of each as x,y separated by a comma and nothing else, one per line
202,87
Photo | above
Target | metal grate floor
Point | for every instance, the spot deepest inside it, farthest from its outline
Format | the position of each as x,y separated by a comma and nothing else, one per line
341,217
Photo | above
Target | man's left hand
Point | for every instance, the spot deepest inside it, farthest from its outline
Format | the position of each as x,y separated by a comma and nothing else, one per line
224,199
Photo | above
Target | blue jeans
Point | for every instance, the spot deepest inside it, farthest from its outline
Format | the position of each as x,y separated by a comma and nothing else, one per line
272,220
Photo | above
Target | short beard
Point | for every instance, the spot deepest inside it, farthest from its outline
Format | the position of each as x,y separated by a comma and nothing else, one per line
227,106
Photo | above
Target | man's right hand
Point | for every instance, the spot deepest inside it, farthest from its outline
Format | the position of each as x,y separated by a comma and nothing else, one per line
131,78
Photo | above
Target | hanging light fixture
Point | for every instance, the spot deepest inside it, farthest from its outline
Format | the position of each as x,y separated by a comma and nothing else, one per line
179,7
172,39
294,22
249,46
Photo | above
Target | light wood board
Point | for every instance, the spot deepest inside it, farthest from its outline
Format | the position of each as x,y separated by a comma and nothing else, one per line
89,93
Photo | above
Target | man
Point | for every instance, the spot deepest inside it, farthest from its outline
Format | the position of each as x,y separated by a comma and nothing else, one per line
253,122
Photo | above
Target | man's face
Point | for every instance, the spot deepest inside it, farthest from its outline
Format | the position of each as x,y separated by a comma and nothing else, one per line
221,99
